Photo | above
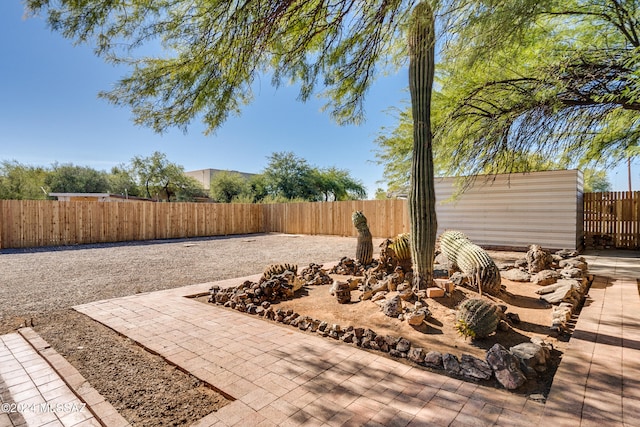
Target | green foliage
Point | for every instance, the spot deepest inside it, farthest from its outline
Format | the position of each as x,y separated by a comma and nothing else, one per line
22,182
212,51
596,181
477,318
121,181
228,186
68,178
337,184
558,79
163,180
289,177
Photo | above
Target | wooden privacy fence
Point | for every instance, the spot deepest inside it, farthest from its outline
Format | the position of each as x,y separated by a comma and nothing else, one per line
31,223
612,219
387,218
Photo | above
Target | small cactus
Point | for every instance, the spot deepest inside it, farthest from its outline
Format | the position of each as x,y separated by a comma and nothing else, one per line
477,318
402,247
364,248
275,269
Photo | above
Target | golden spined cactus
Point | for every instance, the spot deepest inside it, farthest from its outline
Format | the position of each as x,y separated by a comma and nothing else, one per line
276,269
364,248
477,318
396,252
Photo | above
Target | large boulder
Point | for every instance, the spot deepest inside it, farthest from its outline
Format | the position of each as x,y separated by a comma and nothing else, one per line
506,367
474,368
533,357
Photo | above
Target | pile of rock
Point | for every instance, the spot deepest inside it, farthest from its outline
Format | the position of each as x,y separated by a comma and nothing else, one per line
315,275
271,287
563,279
348,267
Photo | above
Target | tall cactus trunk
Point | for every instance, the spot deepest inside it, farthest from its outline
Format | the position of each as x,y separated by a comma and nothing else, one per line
422,200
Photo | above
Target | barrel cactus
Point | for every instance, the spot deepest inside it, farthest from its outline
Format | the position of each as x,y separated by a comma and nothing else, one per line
472,260
276,269
477,318
396,252
402,247
364,248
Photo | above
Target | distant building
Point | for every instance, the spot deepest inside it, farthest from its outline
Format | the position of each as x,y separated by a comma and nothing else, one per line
204,176
96,197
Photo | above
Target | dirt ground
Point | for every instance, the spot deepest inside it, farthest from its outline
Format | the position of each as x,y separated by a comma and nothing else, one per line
39,287
438,332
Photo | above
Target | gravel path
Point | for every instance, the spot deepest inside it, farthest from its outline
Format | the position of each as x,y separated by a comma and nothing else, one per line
37,281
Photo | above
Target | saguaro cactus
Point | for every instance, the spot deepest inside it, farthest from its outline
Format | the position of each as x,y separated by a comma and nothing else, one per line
422,198
364,248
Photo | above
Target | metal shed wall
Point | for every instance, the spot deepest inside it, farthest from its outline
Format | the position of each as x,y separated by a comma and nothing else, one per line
515,210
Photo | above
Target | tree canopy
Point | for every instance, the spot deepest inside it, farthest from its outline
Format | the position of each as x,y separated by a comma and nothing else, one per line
69,178
164,180
554,79
208,53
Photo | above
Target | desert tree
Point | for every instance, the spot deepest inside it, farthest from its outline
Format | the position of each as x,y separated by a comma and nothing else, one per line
211,52
539,77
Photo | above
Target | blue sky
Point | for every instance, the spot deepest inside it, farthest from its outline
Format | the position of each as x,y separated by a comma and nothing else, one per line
50,112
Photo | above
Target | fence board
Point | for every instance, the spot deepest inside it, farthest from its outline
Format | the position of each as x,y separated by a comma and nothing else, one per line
612,219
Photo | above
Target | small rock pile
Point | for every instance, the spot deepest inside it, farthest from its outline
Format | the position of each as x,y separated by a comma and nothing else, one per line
563,279
348,267
253,297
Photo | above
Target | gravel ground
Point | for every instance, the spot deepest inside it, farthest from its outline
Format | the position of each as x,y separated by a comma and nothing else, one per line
39,287
36,281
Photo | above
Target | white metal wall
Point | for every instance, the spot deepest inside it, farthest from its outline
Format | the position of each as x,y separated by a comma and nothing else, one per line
515,210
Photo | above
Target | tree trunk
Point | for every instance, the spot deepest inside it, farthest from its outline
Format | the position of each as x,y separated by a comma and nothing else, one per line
422,200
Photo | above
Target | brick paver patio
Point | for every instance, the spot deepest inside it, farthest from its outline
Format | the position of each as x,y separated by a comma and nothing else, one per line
278,376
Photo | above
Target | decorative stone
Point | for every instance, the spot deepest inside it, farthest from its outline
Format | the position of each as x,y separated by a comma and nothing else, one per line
379,296
506,367
343,293
403,345
433,359
415,318
395,353
392,307
537,259
559,291
474,368
513,318
451,364
545,277
530,354
567,253
416,355
571,273
516,275
458,278
574,263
